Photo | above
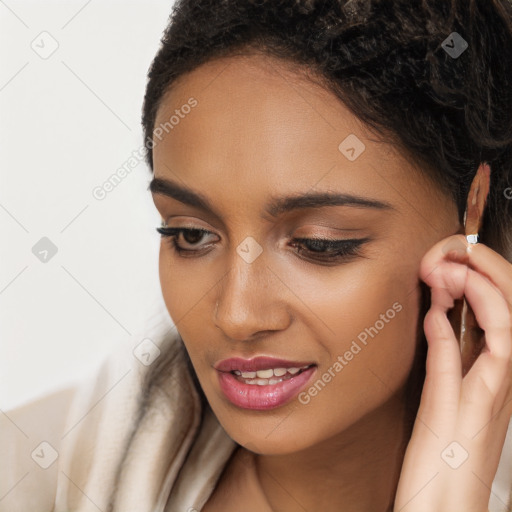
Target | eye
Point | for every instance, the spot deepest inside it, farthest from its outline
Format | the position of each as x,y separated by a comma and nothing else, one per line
319,249
327,250
191,236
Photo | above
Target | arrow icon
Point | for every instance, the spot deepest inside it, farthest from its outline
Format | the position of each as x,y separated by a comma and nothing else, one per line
44,455
45,253
45,45
351,147
454,45
454,455
146,352
249,249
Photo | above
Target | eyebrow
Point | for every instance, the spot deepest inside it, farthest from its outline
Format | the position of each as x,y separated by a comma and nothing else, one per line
275,206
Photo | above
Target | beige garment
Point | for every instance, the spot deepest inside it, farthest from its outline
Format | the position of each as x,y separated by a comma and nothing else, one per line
107,422
125,446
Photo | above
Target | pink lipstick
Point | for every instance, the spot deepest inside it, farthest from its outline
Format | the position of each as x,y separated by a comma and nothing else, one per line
262,383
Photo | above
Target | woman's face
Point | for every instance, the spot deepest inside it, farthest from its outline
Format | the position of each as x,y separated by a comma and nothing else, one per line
243,134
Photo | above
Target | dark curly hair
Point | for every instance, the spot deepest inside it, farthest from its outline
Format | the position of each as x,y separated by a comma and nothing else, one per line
386,61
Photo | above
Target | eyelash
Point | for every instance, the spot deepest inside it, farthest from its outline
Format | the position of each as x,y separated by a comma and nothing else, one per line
341,248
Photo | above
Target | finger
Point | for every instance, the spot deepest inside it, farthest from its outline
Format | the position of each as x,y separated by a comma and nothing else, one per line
479,256
451,280
485,388
492,311
493,266
441,391
492,315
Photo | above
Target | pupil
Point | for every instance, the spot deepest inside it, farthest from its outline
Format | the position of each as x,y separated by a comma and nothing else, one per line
195,234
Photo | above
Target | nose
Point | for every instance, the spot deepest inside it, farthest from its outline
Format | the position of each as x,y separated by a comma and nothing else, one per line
251,301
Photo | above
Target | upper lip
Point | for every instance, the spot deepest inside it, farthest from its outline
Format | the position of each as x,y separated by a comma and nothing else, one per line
257,363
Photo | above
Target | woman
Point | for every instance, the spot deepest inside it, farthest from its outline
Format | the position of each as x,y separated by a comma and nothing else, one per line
311,164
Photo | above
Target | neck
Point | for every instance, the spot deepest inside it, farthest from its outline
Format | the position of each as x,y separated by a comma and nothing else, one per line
358,470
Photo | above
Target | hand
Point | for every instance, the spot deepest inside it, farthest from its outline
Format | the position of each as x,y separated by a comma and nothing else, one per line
459,432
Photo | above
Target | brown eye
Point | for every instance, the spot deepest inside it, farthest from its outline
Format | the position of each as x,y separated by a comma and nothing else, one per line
190,236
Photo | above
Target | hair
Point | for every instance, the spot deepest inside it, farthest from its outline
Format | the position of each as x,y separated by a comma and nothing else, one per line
387,62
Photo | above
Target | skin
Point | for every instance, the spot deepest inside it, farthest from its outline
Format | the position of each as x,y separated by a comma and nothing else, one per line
262,128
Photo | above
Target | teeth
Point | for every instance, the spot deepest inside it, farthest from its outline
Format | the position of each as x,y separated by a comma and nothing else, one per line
264,377
265,374
263,382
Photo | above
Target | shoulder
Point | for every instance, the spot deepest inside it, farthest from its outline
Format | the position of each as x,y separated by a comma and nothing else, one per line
30,437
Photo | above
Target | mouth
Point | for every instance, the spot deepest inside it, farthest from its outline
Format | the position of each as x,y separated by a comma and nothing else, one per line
263,382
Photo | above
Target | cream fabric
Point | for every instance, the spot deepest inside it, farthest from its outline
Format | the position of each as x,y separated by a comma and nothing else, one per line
121,449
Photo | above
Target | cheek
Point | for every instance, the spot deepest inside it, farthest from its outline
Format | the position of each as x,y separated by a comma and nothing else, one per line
184,288
368,346
169,282
185,293
372,302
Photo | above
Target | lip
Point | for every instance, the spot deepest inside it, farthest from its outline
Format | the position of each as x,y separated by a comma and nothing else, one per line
257,363
254,396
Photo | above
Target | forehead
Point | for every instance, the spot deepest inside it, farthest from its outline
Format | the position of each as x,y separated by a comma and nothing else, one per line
260,125
256,95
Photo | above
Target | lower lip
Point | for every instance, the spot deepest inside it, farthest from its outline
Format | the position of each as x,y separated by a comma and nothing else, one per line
253,396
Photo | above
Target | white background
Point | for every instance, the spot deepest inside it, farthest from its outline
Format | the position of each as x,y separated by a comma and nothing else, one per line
67,123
